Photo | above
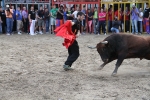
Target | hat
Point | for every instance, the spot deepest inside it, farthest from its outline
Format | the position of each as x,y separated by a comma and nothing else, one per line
133,5
7,5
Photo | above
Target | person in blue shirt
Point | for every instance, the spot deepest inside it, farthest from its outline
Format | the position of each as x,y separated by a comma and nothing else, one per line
65,15
19,20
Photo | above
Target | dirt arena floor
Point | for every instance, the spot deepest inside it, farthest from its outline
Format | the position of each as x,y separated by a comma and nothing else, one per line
31,69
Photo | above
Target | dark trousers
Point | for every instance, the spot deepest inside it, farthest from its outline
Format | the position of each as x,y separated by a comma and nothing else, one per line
14,26
102,24
73,51
25,25
4,27
109,26
127,25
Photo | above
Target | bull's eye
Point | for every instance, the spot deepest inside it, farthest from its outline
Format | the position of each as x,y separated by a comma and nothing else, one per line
103,49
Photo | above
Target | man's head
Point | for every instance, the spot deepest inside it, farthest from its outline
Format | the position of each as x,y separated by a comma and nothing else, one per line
95,8
133,6
84,7
12,6
140,9
77,8
54,6
102,10
80,16
24,8
46,9
0,8
45,6
41,8
18,8
147,5
127,8
116,18
32,8
7,6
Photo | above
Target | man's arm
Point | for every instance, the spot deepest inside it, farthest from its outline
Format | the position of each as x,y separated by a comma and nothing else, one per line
29,17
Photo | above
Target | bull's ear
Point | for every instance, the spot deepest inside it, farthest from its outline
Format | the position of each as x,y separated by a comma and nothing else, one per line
104,42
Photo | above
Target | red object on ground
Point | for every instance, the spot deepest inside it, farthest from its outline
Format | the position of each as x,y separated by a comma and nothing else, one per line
65,31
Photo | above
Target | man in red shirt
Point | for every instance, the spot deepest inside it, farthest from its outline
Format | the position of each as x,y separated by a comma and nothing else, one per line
119,14
102,21
110,18
127,19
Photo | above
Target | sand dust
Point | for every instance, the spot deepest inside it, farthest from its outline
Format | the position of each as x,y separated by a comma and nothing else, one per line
31,69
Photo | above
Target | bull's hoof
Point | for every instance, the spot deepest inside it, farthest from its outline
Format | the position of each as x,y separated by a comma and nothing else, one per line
114,74
100,68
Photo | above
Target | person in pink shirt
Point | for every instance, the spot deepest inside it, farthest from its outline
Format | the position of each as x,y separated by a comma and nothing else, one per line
102,21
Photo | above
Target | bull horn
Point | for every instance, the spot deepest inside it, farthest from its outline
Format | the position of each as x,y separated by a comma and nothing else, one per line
104,42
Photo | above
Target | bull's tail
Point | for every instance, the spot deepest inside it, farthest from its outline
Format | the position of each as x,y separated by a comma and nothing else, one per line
91,47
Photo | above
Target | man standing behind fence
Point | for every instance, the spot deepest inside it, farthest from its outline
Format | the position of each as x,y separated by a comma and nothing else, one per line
19,20
9,19
25,20
53,17
32,21
40,20
46,16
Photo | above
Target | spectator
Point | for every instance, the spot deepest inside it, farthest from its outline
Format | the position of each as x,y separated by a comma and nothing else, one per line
9,19
65,14
59,18
25,19
134,19
75,13
46,16
95,20
119,14
90,18
102,21
14,19
110,18
69,14
32,20
3,20
115,25
84,20
127,19
19,20
53,17
140,21
41,20
146,18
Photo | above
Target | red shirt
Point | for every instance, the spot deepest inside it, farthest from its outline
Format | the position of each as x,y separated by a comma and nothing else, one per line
126,16
102,14
120,15
110,16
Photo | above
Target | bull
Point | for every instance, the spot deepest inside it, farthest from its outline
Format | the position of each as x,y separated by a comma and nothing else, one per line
123,46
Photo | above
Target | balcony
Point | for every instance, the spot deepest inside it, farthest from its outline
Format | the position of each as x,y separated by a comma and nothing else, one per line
26,1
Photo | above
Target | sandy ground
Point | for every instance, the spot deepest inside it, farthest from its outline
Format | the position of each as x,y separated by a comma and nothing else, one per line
31,69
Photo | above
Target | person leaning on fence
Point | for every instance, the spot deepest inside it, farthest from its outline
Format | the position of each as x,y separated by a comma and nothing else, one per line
19,20
140,21
32,21
9,19
53,13
115,25
146,18
41,20
25,20
47,16
3,19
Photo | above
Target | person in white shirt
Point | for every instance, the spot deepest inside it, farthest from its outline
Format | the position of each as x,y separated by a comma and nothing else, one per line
140,21
75,13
